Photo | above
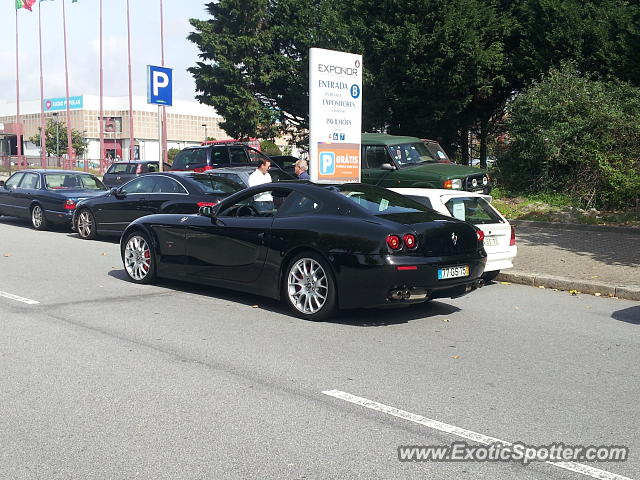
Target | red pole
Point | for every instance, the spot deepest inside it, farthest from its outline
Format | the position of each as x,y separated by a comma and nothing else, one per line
70,150
164,157
130,87
101,122
18,122
43,143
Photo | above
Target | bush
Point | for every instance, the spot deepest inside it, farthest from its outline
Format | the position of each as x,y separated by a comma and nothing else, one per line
269,148
571,134
171,154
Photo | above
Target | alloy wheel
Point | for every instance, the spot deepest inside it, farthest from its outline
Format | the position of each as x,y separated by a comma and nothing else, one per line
137,258
37,217
307,286
85,224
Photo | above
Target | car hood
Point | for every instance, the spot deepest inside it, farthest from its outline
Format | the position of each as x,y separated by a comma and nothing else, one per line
443,169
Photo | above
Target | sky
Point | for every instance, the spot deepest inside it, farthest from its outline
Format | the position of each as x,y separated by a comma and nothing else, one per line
83,47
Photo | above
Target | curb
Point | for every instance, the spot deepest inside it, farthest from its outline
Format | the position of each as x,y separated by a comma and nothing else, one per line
575,226
564,283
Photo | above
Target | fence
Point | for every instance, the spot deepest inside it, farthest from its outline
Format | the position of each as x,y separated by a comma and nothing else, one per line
9,164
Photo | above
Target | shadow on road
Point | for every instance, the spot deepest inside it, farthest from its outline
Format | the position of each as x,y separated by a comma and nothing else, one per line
613,248
358,318
629,315
26,224
109,239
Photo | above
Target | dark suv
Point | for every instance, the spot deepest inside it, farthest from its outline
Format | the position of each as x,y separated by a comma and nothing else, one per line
201,159
406,162
121,172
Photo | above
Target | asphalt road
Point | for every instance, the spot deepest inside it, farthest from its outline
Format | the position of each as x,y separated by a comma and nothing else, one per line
107,379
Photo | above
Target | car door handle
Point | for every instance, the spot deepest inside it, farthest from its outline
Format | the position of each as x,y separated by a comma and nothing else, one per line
261,236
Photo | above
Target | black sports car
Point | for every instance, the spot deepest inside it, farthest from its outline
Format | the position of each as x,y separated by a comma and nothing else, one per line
319,247
175,192
47,196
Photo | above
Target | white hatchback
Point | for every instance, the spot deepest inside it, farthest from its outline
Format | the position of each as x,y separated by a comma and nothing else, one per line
476,208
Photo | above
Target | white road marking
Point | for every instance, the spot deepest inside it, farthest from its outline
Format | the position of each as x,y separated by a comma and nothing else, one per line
461,432
11,296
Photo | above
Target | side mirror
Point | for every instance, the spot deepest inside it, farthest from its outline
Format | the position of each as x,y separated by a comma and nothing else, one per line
117,192
206,211
1,183
387,166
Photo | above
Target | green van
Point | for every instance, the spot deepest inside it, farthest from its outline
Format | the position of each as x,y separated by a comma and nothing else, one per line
392,161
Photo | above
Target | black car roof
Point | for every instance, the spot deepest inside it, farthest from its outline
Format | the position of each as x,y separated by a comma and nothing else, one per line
52,170
125,162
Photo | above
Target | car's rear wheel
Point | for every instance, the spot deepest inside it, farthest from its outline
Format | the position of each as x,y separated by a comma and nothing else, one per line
138,258
309,287
38,221
86,225
490,276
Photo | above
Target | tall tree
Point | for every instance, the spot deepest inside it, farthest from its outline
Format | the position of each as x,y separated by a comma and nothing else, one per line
56,138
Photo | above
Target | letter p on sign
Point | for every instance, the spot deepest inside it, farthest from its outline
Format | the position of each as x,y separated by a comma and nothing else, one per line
159,85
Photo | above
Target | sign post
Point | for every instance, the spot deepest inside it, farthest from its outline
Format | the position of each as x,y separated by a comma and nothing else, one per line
335,116
160,92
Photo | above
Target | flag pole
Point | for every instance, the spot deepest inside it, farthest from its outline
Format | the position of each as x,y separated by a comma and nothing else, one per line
70,150
130,87
43,143
18,121
164,156
101,122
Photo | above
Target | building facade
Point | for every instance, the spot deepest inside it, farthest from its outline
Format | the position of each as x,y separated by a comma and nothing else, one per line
188,123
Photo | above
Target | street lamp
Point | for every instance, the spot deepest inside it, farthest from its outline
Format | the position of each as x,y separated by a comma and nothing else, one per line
55,116
205,132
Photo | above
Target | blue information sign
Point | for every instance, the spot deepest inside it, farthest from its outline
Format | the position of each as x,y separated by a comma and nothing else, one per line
159,85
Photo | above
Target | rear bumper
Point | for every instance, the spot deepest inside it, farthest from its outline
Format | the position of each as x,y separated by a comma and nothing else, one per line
373,280
501,260
64,217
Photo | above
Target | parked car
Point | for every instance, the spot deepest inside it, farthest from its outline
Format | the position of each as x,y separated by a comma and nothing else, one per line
47,196
208,157
241,174
177,192
121,172
405,162
499,235
317,247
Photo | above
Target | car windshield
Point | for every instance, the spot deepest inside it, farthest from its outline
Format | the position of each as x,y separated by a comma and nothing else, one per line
379,201
71,181
411,154
473,209
215,184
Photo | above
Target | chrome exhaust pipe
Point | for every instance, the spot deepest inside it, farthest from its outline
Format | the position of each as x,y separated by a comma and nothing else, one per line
406,294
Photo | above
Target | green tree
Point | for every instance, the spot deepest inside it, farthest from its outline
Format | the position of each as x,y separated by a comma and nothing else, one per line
56,138
171,154
573,134
269,148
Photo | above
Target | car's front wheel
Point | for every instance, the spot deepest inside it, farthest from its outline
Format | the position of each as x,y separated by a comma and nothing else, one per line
309,287
138,258
38,221
86,225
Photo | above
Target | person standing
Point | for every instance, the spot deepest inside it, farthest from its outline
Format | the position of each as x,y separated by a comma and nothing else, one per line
300,168
264,200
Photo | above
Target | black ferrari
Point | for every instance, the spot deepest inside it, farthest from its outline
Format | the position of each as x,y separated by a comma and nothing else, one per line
175,192
47,196
318,247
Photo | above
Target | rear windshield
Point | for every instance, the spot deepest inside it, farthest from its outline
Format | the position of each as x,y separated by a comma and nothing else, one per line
123,168
213,184
411,154
473,209
70,181
379,201
192,157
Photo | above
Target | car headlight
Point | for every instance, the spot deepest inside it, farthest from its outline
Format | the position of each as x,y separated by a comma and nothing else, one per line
485,180
454,184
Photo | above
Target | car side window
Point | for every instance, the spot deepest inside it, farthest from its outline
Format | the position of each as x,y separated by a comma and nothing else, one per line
238,156
152,167
121,168
219,156
14,180
263,204
299,204
233,177
140,185
254,155
167,185
375,156
30,181
423,200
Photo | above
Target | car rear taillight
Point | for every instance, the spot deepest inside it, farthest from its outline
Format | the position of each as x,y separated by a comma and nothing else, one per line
394,242
512,240
203,169
69,205
139,169
480,235
207,204
410,241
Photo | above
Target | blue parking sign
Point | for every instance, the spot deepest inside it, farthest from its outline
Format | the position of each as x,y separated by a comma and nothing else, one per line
159,85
